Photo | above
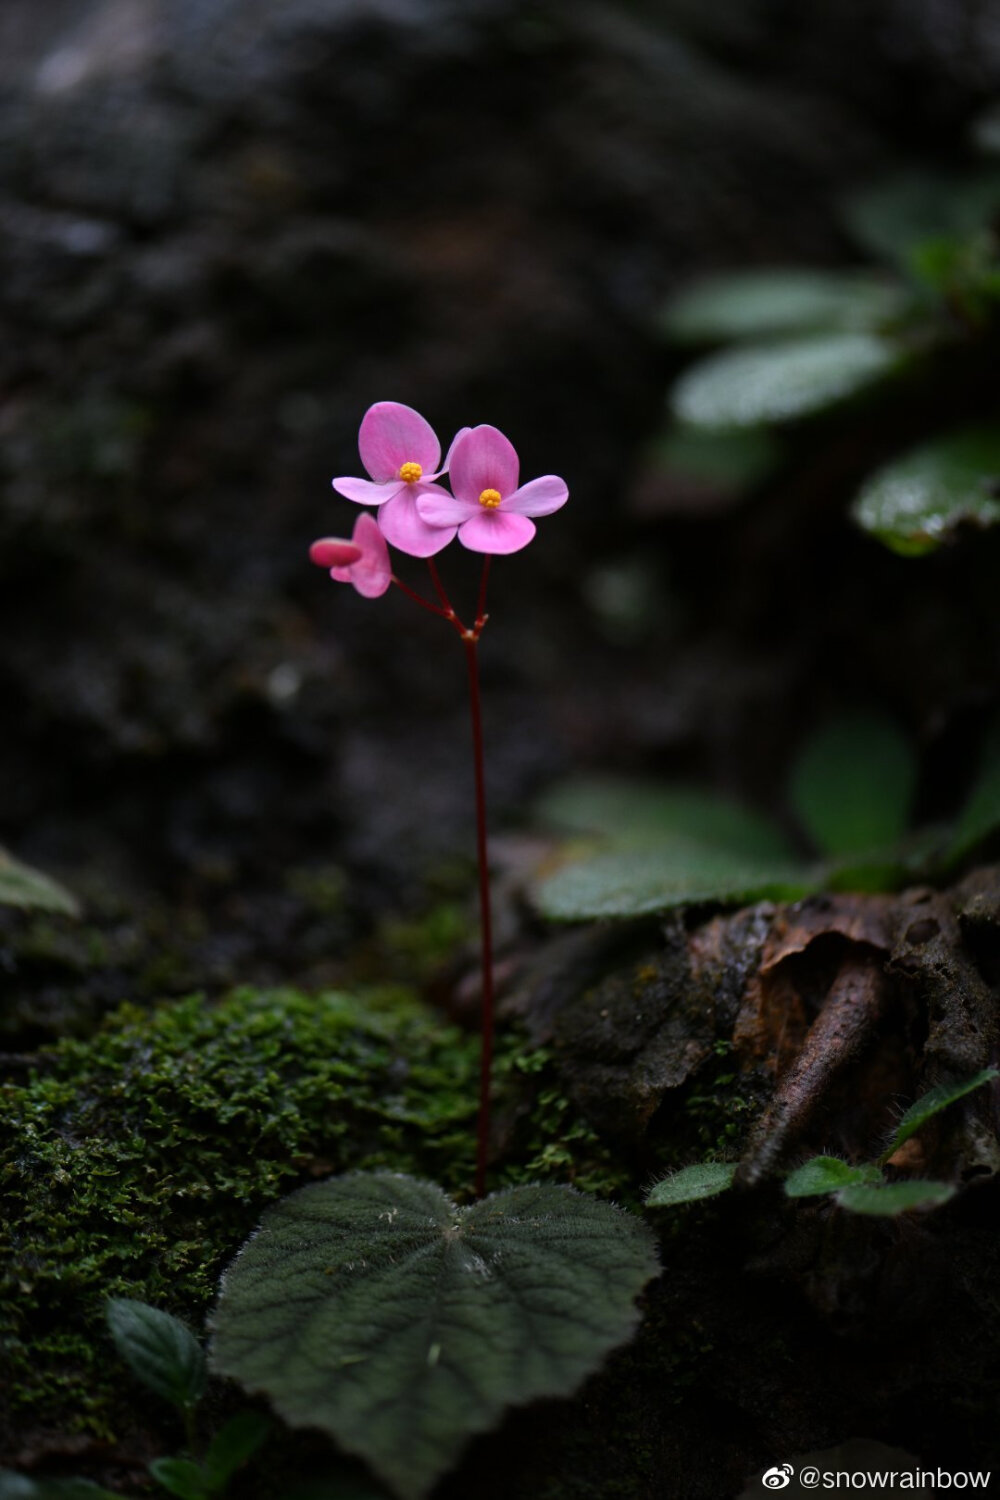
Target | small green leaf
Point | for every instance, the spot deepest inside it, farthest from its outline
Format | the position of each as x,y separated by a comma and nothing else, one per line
892,217
761,384
237,1441
888,1199
645,815
931,1104
919,500
22,886
980,817
160,1350
771,303
827,1174
646,881
704,1180
372,1307
20,1487
852,787
181,1477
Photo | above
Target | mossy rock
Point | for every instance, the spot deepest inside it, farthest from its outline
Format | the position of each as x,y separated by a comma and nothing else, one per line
135,1162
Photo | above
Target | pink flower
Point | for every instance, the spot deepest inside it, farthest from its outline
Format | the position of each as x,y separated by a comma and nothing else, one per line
401,452
489,510
363,561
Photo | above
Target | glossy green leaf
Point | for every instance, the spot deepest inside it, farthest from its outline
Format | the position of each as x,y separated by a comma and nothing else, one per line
704,1180
827,1174
233,1445
181,1477
638,815
23,886
853,785
778,301
647,881
893,217
980,817
919,500
762,384
373,1308
931,1104
21,1487
160,1349
888,1199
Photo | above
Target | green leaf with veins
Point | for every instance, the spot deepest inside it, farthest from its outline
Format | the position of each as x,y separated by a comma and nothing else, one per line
637,815
827,1174
646,881
931,1104
853,785
704,1180
372,1307
980,817
23,886
886,1200
160,1349
763,384
918,501
779,301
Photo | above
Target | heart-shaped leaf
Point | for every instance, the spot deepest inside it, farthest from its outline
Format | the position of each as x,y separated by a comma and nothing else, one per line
647,881
887,1199
20,885
777,301
761,384
920,499
853,785
160,1349
372,1307
704,1180
931,1104
827,1174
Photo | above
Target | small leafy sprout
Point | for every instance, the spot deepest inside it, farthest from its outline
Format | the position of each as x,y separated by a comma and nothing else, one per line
160,1349
165,1355
861,1189
691,1183
372,1307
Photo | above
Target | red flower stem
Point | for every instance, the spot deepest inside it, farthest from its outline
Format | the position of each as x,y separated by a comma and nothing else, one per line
481,616
424,603
435,579
485,919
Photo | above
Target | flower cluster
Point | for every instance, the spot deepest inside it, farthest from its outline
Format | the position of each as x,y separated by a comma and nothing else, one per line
486,508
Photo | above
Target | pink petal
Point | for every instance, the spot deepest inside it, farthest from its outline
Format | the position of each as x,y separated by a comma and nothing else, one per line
540,497
483,459
438,508
364,492
372,574
496,531
333,552
401,525
392,435
451,448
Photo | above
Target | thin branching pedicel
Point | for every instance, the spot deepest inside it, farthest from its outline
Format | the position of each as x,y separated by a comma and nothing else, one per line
490,513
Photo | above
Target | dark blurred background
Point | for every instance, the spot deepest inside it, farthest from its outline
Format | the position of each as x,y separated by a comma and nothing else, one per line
230,225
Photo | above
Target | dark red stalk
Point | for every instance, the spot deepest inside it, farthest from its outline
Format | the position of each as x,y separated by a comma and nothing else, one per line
485,918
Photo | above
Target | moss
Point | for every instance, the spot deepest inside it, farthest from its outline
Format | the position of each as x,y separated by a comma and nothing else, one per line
138,1160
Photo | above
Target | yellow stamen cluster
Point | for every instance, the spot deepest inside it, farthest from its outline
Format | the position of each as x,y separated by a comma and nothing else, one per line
410,472
490,498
